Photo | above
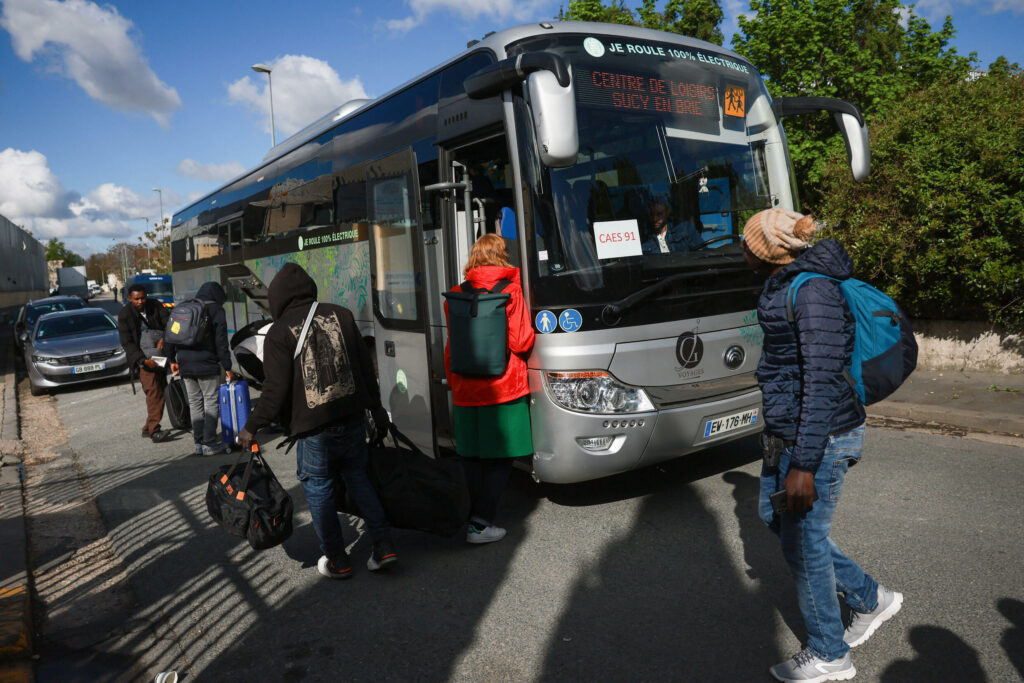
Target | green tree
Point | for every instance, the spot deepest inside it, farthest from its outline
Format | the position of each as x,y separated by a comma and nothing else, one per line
158,241
595,10
56,250
939,224
870,52
695,18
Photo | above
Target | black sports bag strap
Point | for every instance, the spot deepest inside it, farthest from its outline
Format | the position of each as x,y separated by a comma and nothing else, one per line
403,439
238,461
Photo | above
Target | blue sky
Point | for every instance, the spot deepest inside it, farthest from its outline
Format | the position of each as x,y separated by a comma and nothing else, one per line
101,102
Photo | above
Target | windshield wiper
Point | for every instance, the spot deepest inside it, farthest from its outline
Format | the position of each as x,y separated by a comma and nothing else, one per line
611,314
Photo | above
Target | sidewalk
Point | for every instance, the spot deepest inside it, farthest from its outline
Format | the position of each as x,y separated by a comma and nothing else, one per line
15,595
970,401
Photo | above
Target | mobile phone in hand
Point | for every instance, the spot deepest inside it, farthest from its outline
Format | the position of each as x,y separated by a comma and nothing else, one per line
780,503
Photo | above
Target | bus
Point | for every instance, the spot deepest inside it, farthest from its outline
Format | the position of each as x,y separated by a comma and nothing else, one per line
159,287
560,137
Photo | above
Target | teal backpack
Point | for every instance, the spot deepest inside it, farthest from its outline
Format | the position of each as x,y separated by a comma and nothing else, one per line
884,348
478,330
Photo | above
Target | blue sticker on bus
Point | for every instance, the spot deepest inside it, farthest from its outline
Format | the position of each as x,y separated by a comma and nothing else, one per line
570,320
545,322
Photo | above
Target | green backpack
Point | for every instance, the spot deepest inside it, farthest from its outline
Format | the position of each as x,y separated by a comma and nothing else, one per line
478,330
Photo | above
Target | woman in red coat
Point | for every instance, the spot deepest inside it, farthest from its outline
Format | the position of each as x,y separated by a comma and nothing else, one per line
492,414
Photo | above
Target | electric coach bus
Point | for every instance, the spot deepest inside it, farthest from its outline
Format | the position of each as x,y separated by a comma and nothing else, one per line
568,139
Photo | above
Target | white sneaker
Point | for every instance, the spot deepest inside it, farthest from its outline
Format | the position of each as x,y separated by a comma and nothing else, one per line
862,625
807,667
488,534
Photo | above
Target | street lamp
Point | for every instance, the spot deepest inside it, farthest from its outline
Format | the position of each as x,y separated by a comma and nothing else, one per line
263,68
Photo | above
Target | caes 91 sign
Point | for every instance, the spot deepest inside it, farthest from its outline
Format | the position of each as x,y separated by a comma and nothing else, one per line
638,92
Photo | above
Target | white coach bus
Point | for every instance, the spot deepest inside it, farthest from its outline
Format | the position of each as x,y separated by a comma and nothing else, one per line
569,139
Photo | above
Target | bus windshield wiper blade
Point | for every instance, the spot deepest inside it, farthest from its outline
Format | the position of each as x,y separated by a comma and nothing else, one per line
611,314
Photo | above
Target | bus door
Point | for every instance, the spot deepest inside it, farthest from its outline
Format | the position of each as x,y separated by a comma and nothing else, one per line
399,299
476,196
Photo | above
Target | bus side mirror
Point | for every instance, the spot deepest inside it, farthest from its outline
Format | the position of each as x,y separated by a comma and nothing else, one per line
858,152
554,119
849,119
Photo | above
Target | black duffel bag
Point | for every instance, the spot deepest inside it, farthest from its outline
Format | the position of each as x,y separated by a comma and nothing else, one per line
250,502
417,491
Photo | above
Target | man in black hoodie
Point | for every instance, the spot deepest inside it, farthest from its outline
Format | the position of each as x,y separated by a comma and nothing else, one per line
200,366
319,390
142,315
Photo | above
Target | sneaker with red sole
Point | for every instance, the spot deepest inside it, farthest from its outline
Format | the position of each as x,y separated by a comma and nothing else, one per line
383,554
337,568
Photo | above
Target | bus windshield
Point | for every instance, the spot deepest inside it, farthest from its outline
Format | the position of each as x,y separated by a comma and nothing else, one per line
672,162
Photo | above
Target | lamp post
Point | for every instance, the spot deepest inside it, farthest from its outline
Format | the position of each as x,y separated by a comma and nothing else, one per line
263,68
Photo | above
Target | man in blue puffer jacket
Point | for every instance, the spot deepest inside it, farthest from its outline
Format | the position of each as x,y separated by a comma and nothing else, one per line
813,417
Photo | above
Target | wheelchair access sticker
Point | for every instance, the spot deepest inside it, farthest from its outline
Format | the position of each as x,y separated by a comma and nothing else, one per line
545,322
570,320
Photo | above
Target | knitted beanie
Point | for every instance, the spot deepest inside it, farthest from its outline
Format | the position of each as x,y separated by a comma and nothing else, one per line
778,235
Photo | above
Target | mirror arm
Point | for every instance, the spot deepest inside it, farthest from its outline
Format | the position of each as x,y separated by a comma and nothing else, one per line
797,106
494,78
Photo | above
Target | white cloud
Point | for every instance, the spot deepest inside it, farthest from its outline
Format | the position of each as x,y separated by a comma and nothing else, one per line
304,88
937,10
91,45
216,172
31,195
29,188
498,11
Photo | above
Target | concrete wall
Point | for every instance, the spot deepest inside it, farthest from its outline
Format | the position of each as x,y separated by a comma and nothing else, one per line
950,345
23,273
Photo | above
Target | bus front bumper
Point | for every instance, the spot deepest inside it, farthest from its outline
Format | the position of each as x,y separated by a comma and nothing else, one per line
571,447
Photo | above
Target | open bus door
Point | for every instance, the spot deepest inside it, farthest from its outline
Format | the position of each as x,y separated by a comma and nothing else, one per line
399,299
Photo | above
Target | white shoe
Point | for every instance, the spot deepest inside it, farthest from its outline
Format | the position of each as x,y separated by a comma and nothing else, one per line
807,667
862,625
488,534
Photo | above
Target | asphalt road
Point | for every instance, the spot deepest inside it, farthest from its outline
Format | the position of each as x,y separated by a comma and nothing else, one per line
662,574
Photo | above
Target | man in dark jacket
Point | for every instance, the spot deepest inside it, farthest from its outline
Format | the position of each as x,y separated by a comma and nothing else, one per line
143,317
814,431
319,390
200,366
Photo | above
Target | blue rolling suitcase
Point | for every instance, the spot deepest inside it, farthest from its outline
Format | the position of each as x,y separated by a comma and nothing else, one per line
235,407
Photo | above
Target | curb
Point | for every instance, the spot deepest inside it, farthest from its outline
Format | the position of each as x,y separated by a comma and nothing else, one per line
16,661
968,420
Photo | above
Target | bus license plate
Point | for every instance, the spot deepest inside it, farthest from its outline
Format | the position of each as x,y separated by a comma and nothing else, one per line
91,367
730,422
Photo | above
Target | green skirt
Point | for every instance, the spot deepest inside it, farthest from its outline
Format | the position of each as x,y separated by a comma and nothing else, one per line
498,431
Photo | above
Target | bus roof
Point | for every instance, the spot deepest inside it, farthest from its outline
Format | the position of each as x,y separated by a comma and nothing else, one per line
496,42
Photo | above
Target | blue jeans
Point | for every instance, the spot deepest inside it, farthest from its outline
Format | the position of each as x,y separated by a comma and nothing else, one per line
820,569
321,458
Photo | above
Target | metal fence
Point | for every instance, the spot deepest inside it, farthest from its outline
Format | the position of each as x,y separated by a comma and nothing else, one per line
23,273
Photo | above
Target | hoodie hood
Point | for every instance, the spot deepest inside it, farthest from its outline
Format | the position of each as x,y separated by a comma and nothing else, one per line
292,286
212,291
827,257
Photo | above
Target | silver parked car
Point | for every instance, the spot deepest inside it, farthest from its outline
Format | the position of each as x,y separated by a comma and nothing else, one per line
30,312
70,347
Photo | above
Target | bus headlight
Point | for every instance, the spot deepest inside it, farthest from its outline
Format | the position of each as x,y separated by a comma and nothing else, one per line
594,391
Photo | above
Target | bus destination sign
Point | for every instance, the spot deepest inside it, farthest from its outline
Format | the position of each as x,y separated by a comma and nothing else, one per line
641,92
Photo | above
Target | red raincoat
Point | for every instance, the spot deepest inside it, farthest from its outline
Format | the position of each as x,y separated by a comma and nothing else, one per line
486,391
